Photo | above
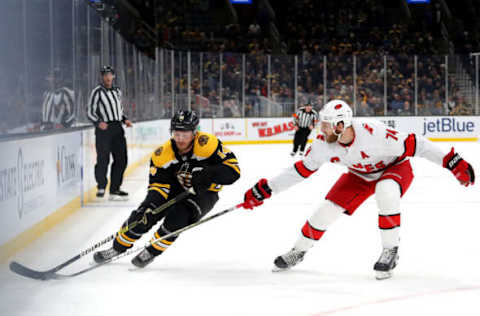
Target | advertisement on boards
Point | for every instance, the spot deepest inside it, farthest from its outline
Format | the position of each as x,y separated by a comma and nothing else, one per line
229,129
27,184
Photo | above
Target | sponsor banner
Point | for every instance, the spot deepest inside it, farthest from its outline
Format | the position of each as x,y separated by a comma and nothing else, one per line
229,129
278,129
27,184
437,126
270,129
68,165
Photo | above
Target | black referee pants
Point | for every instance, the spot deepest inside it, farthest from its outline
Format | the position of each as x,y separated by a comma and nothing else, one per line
300,139
110,141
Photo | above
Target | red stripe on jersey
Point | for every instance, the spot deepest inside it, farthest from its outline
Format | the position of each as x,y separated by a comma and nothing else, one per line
312,233
410,146
302,170
388,221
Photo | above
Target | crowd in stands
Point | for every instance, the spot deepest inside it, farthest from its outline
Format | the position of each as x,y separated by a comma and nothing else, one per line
348,39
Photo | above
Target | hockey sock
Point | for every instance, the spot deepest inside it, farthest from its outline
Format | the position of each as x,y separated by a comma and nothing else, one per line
389,226
124,241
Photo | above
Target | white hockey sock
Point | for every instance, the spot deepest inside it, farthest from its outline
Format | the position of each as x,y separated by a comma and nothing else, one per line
390,237
388,201
316,226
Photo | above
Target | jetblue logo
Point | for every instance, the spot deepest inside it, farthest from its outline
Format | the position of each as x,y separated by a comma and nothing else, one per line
448,125
241,1
418,1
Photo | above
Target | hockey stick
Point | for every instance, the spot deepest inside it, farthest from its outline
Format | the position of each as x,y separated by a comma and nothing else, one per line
48,274
56,276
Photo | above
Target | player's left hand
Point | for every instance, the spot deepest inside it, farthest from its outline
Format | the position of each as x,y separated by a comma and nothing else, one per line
461,169
201,181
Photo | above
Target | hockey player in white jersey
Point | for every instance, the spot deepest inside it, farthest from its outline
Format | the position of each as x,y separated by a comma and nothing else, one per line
378,163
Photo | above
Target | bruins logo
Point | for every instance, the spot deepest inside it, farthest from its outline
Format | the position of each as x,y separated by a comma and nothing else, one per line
159,150
203,140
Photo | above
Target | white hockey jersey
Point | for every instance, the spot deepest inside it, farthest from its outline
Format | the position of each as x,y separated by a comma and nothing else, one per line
373,149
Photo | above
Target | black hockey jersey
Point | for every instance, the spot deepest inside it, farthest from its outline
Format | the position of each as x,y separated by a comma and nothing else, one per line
171,173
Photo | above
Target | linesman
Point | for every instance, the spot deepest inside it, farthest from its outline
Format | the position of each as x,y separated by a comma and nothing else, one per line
304,120
105,110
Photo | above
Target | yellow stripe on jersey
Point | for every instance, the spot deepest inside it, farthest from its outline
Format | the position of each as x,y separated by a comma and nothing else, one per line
160,185
232,163
165,195
205,145
215,187
163,155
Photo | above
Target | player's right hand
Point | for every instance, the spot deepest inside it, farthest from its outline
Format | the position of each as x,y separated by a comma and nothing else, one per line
142,215
254,196
102,125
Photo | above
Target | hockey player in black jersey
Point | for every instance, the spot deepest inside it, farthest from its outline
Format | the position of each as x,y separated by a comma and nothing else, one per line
189,159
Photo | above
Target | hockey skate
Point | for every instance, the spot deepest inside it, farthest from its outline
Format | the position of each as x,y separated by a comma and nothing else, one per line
104,255
386,263
100,193
288,260
143,259
118,196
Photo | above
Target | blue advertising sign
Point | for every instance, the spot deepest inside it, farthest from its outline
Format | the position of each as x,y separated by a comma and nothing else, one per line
241,1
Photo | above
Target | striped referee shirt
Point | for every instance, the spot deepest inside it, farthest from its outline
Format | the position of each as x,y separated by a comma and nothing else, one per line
57,107
304,119
105,105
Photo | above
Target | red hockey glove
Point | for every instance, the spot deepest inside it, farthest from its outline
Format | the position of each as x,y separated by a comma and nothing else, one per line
255,196
461,169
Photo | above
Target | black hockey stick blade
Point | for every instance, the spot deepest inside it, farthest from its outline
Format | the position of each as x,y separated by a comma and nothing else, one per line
30,273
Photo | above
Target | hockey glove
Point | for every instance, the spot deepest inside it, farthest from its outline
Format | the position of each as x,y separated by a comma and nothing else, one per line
461,169
201,181
255,196
144,218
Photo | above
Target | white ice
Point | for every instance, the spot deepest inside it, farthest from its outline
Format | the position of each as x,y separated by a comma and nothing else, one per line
224,266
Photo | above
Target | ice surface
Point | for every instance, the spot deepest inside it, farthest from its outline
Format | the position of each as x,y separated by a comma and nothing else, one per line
224,266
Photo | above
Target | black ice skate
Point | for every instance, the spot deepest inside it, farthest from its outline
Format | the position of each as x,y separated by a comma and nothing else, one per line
100,193
104,255
386,263
118,195
143,259
288,260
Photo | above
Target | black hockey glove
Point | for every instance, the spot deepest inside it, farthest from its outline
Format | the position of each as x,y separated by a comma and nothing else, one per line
202,180
143,216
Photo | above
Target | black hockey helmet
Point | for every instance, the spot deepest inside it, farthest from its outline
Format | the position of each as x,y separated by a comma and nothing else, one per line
184,120
107,69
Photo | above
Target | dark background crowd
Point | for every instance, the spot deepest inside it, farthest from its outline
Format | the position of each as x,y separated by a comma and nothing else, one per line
385,57
338,30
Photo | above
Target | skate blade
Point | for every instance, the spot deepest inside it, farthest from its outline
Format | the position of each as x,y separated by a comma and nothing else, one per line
277,269
117,198
383,275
